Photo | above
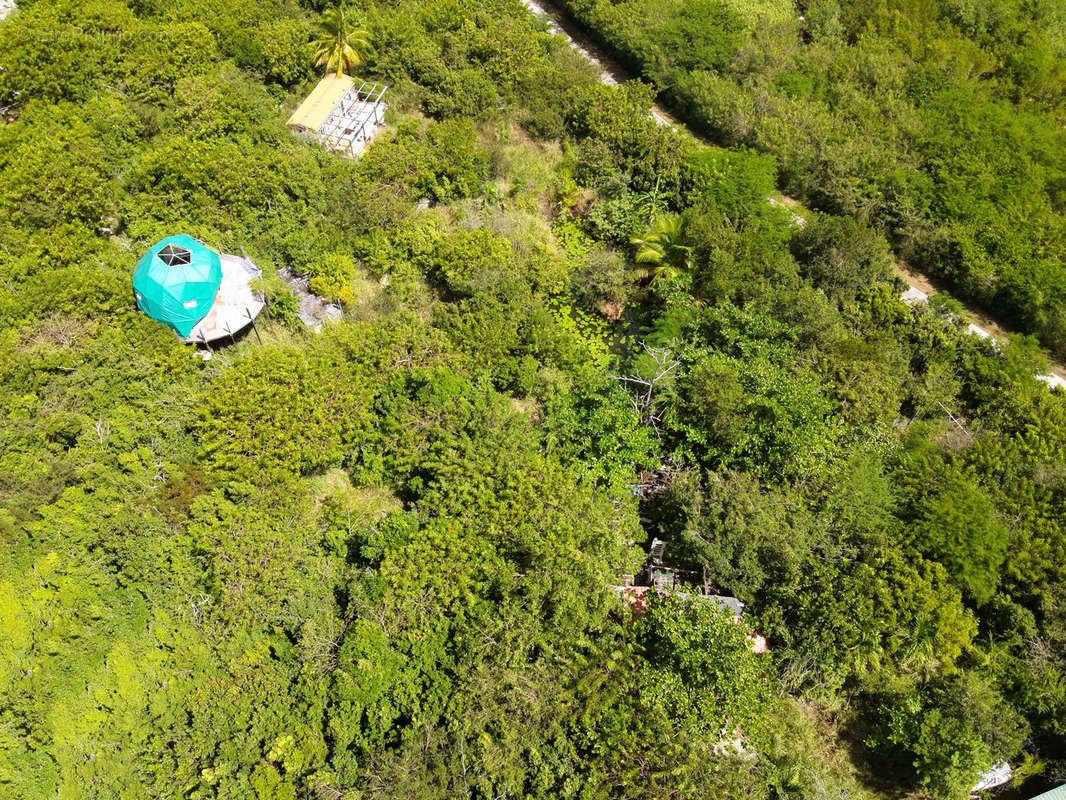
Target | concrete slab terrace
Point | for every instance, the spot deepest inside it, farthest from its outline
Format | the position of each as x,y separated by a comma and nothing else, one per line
236,302
914,296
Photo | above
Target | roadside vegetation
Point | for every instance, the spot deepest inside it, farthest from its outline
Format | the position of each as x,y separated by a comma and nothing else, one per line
939,122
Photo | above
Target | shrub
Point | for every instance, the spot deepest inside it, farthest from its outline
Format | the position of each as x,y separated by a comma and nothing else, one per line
331,276
286,48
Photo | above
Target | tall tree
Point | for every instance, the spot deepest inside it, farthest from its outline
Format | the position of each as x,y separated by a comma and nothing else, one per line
661,252
338,47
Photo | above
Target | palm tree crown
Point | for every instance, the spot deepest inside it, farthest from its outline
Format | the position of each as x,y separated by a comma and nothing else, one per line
661,252
338,47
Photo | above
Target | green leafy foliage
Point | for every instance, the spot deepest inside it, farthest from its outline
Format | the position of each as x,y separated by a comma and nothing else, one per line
841,255
697,657
385,558
950,729
245,428
944,132
955,523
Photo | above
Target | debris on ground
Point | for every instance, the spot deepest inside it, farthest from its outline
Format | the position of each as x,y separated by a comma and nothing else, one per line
313,310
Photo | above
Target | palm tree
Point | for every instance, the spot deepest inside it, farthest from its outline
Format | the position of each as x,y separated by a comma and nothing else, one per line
338,47
660,251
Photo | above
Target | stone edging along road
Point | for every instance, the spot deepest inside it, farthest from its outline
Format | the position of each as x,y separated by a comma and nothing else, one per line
613,74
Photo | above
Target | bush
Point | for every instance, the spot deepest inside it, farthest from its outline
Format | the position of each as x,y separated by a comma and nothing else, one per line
247,429
286,48
957,525
440,161
331,277
947,733
469,262
736,184
842,255
601,282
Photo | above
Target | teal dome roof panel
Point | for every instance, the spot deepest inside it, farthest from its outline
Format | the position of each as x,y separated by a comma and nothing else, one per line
175,282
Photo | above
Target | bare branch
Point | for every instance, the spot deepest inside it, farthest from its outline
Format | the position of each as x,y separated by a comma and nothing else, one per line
642,390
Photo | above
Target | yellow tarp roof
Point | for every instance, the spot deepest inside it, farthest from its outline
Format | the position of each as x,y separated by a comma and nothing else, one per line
313,111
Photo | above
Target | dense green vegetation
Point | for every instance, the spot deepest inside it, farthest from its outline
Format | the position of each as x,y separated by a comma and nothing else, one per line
940,122
378,561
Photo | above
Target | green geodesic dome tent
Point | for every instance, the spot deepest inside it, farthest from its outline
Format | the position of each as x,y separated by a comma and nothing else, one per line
176,280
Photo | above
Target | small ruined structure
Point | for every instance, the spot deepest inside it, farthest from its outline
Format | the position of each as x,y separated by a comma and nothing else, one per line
656,577
200,293
343,115
312,310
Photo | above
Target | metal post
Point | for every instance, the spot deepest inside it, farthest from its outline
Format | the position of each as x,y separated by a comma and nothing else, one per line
255,330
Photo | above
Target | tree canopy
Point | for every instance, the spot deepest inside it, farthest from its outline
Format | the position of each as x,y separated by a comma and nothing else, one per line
389,558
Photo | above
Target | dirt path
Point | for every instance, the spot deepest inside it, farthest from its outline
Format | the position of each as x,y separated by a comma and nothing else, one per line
915,280
612,73
979,324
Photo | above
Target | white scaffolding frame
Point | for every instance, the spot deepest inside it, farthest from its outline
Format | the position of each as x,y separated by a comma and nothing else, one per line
354,120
